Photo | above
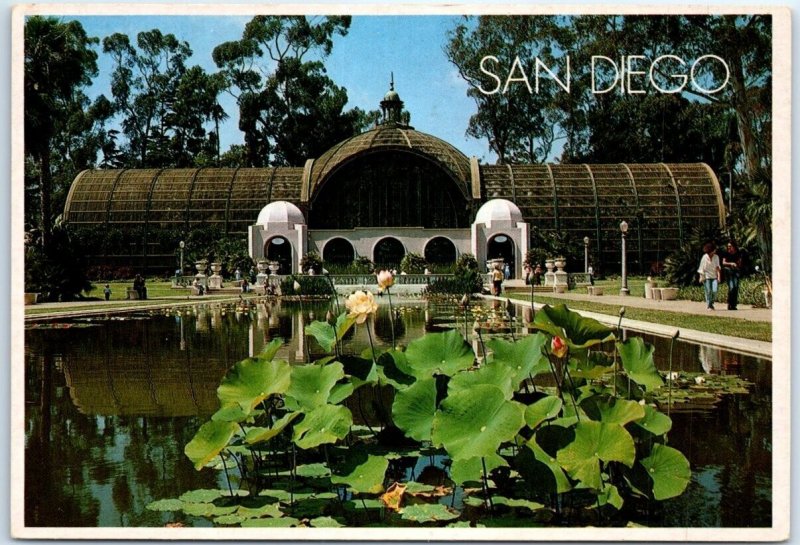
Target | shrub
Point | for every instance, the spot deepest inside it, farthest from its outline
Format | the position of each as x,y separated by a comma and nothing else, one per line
57,273
413,264
311,260
463,281
750,292
467,261
309,285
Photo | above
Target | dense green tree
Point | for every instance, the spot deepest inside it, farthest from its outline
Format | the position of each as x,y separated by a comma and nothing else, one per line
164,105
289,109
59,61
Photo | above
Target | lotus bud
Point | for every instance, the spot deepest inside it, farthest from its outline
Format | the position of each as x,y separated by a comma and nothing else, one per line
330,318
385,279
621,312
558,347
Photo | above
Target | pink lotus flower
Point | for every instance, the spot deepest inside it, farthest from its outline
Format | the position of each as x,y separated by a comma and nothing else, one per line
385,279
558,347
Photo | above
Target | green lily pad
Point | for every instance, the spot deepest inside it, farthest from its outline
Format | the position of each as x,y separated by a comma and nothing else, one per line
325,424
538,467
324,333
517,503
252,380
494,373
209,441
340,392
471,469
393,369
614,410
414,407
266,510
544,409
201,496
429,512
637,360
269,351
360,370
343,324
595,442
475,422
669,470
228,520
439,353
325,522
655,421
165,505
311,384
609,495
362,472
283,522
524,356
231,412
580,332
208,509
312,470
258,435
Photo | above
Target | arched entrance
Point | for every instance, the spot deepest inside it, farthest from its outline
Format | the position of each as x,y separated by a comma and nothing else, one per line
440,251
338,251
501,246
388,253
279,249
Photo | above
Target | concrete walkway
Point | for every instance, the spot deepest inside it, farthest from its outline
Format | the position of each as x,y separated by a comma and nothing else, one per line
727,342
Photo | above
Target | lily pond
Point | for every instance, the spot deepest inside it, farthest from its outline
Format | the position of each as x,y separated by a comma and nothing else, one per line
433,414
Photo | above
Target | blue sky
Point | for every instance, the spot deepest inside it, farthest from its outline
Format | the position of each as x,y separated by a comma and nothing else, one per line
409,46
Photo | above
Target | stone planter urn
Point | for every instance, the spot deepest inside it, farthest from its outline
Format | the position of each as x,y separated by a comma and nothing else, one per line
215,280
549,276
201,266
274,267
561,276
648,288
263,275
31,298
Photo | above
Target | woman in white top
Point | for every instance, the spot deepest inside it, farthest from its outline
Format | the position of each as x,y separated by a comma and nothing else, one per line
710,273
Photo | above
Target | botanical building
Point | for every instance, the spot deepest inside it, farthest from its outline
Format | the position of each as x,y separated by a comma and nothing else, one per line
394,190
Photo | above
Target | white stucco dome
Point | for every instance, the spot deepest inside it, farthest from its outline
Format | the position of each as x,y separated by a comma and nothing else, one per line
498,210
280,212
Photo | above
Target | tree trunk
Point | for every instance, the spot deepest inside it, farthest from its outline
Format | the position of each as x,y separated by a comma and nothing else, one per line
45,197
744,121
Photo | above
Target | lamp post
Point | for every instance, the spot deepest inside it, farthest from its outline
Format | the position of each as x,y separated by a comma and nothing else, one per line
586,255
181,246
623,227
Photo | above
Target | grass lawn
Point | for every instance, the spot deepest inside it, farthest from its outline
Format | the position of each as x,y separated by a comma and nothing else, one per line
745,329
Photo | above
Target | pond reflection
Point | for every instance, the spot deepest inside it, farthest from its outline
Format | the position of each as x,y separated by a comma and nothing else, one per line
110,403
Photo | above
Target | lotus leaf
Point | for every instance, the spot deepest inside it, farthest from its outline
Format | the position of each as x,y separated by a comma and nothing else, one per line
283,522
393,496
463,524
475,422
363,473
655,421
360,370
595,442
614,411
166,505
544,409
269,351
340,392
325,522
669,470
594,366
494,373
231,412
209,441
413,487
312,470
265,510
580,332
393,369
439,353
343,324
258,434
208,509
609,495
539,467
516,502
311,384
252,380
414,407
229,520
637,359
429,512
203,495
363,503
325,424
524,357
324,333
471,469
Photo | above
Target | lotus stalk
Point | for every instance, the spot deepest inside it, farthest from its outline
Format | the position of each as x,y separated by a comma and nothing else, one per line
386,281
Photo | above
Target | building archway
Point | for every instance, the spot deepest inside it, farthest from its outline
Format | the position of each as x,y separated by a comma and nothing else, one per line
440,251
338,251
501,246
388,253
279,249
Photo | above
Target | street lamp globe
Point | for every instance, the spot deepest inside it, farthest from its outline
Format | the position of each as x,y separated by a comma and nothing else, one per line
623,227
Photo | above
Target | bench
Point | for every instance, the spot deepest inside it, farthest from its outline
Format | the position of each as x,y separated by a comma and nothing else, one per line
665,294
594,290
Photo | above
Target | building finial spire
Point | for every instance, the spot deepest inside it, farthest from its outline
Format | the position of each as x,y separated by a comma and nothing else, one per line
391,81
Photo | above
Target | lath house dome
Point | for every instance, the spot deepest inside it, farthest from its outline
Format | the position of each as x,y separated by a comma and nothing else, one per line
392,137
280,212
498,210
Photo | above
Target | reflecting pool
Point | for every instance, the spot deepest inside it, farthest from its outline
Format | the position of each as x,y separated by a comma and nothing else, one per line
110,404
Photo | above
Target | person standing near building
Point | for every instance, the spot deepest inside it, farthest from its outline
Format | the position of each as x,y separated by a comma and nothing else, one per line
497,280
732,263
107,292
710,273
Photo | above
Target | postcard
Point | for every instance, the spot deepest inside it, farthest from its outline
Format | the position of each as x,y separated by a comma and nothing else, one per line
398,273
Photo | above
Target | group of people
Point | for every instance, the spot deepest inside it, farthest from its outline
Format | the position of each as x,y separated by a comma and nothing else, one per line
710,272
533,275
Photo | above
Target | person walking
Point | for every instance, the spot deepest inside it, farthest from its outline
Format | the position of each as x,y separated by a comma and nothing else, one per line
732,263
107,292
497,280
710,273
